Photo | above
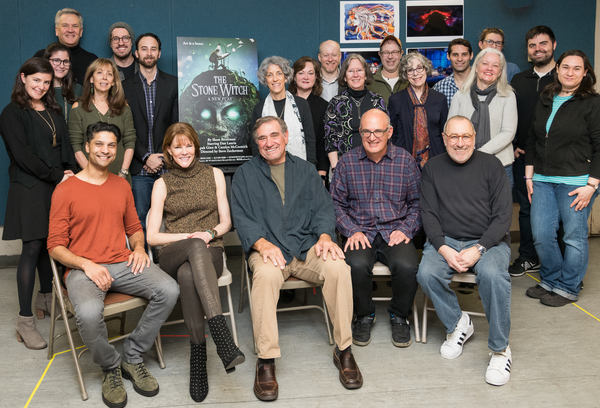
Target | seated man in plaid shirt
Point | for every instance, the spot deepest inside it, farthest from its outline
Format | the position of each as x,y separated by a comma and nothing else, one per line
375,191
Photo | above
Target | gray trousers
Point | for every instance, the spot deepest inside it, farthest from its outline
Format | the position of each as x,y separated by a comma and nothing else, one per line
88,300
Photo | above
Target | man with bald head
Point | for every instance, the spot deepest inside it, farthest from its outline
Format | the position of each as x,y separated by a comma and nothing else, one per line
466,206
330,57
376,199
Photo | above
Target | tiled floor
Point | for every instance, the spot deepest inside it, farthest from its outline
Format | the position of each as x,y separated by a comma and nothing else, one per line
555,352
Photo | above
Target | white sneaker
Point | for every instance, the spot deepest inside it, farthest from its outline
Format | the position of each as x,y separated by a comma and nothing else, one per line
498,371
453,345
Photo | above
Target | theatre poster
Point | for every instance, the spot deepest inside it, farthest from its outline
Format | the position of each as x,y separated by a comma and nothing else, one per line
218,90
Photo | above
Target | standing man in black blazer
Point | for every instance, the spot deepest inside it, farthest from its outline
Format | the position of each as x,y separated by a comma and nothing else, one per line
152,96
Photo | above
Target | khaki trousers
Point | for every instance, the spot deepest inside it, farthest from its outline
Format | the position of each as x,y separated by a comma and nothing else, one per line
267,281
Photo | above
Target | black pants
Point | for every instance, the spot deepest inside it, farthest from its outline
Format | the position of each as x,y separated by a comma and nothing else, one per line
403,262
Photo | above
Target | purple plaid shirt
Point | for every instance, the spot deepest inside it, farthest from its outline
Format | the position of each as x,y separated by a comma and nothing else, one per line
377,198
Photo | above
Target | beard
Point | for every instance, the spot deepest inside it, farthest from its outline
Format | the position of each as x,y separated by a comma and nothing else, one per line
151,64
544,61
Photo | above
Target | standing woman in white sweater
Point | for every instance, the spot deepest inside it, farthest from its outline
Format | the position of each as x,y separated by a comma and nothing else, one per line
489,101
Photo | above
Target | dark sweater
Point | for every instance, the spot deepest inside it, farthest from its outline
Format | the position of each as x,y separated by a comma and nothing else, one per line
527,86
402,117
80,61
307,125
467,201
318,106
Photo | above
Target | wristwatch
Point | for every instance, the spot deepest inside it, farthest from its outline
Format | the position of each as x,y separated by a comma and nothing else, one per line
594,186
481,249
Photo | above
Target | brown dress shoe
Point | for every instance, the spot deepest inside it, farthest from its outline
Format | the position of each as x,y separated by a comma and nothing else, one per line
350,375
265,383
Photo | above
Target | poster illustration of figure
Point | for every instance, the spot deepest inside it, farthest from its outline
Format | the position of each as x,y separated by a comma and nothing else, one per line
368,21
218,90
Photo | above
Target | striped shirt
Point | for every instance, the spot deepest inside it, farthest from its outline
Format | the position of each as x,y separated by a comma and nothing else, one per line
150,96
377,198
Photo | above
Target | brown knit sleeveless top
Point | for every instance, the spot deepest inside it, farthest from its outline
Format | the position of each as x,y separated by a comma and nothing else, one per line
191,202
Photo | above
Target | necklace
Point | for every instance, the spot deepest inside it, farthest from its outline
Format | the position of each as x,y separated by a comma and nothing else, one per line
358,102
282,112
52,128
107,120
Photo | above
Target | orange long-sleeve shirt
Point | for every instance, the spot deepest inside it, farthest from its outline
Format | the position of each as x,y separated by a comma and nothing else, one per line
92,220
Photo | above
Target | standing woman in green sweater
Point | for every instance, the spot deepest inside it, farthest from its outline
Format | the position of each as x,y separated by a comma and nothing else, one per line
103,100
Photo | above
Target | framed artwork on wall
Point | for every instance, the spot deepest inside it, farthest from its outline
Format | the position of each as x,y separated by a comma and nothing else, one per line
368,21
434,21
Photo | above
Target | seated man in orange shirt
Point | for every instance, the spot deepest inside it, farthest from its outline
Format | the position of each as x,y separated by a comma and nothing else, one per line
90,215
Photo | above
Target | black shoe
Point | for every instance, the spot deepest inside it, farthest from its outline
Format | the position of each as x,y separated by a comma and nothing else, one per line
536,292
230,354
466,288
555,300
288,295
400,331
198,375
361,332
520,266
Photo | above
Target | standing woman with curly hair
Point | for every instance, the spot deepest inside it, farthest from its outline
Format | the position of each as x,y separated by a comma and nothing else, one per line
37,143
103,100
275,72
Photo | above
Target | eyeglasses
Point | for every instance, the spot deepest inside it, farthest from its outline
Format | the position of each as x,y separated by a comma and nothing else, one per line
116,40
388,53
414,71
454,138
57,61
492,42
356,71
378,133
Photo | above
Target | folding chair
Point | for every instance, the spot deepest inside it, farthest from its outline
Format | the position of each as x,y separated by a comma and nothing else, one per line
114,304
225,280
383,273
465,277
290,283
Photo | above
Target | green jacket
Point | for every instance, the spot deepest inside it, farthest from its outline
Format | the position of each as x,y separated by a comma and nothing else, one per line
381,87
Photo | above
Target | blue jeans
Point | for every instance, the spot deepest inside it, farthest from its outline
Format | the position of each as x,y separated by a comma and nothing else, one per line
88,300
494,288
550,204
141,186
509,174
526,248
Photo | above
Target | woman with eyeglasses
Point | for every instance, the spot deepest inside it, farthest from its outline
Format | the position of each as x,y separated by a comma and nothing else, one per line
103,100
275,72
66,90
418,113
342,118
562,173
37,144
489,101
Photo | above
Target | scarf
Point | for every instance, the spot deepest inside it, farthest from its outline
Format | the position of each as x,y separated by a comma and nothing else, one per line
421,146
291,116
481,115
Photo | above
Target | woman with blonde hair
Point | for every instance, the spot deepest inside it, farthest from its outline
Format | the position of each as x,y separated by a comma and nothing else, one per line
489,101
103,100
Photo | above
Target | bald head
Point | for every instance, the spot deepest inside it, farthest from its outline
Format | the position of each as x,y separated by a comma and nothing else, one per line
375,117
459,138
330,56
450,124
375,131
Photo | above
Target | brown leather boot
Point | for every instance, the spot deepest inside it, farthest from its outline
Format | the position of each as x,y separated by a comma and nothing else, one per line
27,333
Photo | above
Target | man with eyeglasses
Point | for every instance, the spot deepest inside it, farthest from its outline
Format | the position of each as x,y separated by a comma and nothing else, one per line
375,192
120,39
386,80
494,38
68,26
466,207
